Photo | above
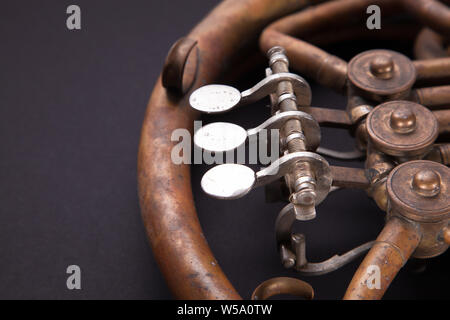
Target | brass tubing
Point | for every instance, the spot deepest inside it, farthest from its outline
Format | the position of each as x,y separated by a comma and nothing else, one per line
445,153
352,178
358,109
433,13
377,167
390,32
165,193
320,17
283,285
393,247
433,69
308,59
443,118
432,96
377,164
440,153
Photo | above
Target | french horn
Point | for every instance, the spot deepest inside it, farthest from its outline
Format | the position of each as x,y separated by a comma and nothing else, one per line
397,112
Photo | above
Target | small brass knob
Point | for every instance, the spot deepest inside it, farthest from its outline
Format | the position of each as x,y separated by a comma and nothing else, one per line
403,120
382,67
427,183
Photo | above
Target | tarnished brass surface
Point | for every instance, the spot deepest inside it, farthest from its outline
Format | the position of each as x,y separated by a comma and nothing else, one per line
432,13
283,285
389,97
419,192
382,75
167,205
392,249
402,129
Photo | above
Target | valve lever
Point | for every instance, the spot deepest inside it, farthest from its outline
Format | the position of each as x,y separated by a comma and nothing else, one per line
218,98
232,181
292,247
220,137
215,98
223,136
228,181
307,174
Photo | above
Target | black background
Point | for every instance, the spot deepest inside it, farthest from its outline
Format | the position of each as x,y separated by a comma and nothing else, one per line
71,108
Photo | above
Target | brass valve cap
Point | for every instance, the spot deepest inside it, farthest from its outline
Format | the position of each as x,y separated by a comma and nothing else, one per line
381,74
402,128
419,190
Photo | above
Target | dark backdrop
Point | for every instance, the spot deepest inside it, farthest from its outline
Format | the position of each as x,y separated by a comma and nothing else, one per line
71,107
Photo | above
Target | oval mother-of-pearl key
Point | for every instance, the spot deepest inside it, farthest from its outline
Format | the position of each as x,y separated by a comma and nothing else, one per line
228,181
214,98
220,137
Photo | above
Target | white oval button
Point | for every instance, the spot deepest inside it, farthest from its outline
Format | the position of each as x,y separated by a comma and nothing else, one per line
228,181
214,98
220,137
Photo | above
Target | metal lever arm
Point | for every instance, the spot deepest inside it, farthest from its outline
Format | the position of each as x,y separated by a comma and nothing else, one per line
335,262
269,85
216,98
232,181
293,248
223,136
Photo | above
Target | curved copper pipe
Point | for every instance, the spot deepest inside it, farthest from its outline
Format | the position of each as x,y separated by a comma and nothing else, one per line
443,118
377,166
440,153
308,59
433,13
432,96
283,285
433,69
393,247
165,193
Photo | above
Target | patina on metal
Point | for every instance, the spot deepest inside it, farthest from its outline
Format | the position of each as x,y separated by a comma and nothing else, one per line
397,110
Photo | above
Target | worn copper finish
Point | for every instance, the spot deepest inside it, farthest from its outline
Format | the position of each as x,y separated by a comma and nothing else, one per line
167,205
402,128
432,13
418,191
283,285
392,249
389,97
440,153
382,75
